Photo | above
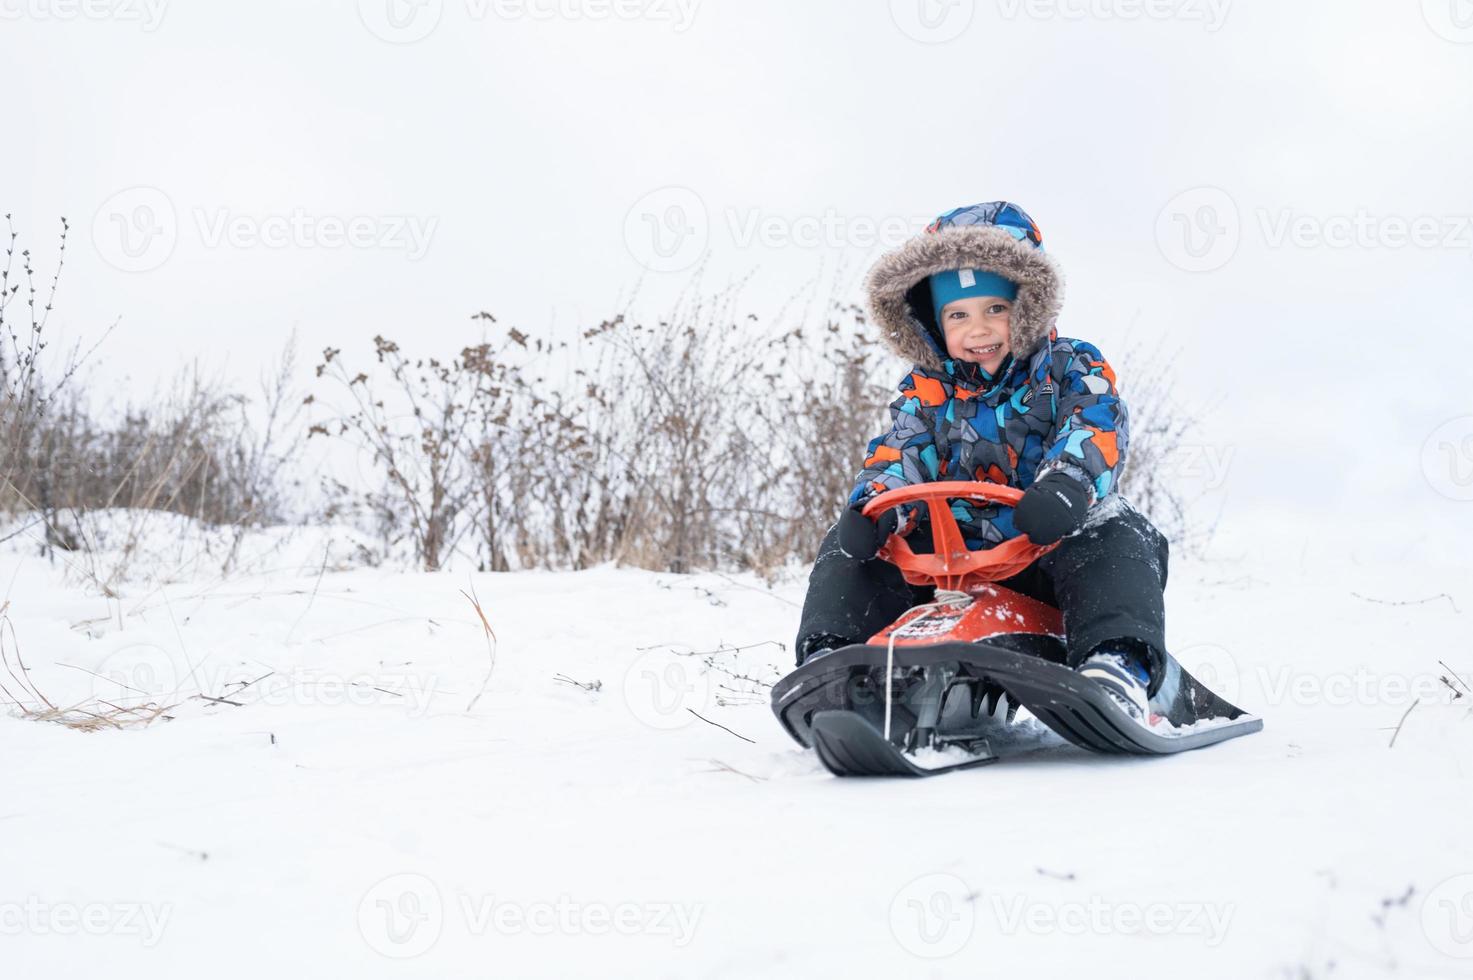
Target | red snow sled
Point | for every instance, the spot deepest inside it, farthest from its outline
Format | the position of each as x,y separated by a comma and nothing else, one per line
923,696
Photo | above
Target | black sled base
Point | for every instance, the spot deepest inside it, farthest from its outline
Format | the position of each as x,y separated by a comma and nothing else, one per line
848,745
937,683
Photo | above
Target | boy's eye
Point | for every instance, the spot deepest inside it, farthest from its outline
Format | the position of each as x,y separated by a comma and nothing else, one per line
996,309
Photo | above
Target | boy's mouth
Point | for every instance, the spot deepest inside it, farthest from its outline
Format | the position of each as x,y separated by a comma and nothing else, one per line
985,351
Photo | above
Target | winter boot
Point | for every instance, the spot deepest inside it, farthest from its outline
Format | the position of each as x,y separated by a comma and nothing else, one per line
1121,668
819,644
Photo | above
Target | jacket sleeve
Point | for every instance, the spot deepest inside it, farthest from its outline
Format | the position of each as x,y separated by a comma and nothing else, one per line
1092,428
906,454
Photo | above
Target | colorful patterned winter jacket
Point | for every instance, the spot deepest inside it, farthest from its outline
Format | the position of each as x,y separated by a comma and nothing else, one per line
1051,405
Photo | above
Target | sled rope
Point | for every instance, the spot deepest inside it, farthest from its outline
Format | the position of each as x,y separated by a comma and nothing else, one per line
944,597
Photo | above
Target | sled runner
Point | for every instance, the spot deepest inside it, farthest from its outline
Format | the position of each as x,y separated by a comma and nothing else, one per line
939,689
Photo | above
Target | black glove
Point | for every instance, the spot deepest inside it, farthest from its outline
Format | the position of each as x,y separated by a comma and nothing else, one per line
860,537
1052,508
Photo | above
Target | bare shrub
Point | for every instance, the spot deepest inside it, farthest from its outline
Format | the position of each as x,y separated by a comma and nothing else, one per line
819,433
196,450
689,443
699,444
421,420
1161,429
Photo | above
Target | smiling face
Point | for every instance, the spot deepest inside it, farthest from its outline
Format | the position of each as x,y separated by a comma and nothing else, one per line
976,330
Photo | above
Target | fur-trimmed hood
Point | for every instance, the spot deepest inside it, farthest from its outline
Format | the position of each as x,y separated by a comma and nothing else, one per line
997,237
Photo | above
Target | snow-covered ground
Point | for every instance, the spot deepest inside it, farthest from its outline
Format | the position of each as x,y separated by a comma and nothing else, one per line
320,797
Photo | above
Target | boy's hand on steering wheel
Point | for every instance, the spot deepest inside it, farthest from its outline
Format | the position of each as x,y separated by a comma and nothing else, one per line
1051,509
860,538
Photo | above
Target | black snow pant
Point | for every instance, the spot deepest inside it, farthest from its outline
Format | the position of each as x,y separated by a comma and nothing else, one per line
1107,580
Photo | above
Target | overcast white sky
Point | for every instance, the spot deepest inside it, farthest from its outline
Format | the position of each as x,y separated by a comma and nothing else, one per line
523,157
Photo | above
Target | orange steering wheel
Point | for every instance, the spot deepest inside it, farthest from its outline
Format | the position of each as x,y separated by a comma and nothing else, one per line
953,566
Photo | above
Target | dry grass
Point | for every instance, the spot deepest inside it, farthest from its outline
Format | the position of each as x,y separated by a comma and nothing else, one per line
89,715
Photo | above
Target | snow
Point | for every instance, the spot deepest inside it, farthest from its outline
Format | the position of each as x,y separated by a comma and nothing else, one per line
352,817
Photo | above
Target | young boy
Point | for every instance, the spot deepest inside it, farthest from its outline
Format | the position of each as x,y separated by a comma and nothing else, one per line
996,394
